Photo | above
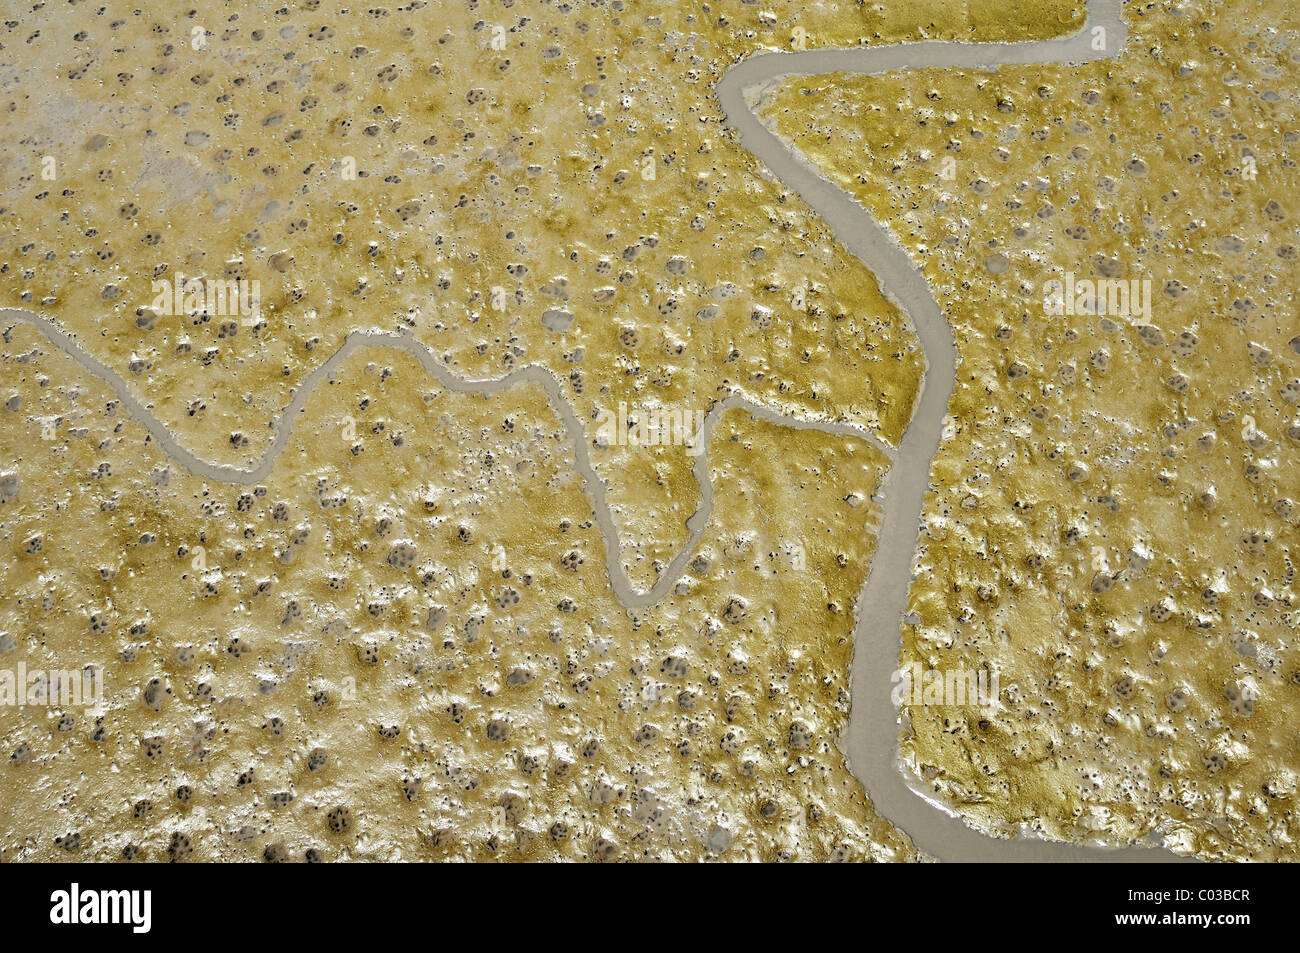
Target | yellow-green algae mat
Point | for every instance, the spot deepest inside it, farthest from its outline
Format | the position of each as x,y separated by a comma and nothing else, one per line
402,642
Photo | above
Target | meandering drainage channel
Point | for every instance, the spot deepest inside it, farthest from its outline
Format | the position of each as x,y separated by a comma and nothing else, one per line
870,741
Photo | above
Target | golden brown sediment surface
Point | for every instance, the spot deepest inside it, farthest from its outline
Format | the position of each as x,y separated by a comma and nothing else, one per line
1112,523
384,654
404,644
